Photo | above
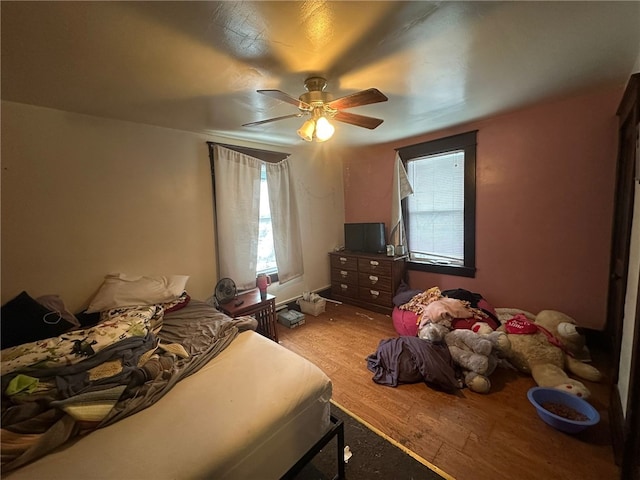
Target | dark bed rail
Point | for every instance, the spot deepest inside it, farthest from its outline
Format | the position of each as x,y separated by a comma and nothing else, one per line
337,428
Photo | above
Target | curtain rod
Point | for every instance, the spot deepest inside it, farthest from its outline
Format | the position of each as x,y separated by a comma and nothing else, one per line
258,153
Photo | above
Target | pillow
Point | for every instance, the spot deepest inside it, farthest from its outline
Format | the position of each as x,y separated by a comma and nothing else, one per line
55,303
405,297
25,320
122,290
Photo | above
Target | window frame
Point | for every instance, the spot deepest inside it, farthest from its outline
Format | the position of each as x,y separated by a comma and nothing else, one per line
466,142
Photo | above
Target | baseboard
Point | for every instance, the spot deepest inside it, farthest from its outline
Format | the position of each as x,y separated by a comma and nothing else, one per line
616,424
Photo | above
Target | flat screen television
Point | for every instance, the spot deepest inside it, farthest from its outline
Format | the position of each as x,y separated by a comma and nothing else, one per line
365,237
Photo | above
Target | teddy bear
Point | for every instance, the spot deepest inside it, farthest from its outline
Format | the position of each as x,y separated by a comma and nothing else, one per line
545,347
477,354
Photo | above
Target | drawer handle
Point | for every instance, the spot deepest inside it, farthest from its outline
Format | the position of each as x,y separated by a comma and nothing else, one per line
373,263
374,293
343,260
373,279
344,287
344,273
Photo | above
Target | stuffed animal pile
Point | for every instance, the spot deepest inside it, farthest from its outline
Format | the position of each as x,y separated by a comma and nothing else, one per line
477,354
473,344
545,345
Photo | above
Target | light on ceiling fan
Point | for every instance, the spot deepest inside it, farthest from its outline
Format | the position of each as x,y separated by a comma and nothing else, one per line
324,130
306,130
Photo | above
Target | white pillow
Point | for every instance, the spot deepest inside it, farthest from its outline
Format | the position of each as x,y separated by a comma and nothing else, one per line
122,290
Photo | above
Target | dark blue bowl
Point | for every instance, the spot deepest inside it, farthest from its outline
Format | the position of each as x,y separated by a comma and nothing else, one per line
539,395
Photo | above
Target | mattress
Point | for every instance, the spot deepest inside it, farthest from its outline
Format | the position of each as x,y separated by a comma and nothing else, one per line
250,413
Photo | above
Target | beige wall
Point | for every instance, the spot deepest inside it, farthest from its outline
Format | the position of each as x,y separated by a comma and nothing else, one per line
545,182
84,196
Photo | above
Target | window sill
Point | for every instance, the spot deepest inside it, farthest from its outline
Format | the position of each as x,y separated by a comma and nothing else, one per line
459,271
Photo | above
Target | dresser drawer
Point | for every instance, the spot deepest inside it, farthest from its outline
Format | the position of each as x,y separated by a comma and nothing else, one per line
372,295
345,276
375,281
367,280
344,262
375,267
344,289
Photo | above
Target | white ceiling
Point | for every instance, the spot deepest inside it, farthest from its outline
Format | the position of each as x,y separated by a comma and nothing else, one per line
196,66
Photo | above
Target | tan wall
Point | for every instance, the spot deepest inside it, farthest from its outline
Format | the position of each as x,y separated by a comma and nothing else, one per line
84,196
545,185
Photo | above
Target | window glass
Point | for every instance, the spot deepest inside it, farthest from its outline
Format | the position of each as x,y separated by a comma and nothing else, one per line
435,228
440,215
266,254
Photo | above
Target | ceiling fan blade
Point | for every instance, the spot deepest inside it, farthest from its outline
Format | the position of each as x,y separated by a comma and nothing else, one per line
365,97
358,120
284,97
260,122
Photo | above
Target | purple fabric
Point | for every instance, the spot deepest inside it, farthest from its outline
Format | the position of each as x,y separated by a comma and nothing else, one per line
404,297
412,360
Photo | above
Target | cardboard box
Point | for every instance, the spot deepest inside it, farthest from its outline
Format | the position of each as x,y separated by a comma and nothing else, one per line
291,318
313,308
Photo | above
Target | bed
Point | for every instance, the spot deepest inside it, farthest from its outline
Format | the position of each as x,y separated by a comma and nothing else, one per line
217,400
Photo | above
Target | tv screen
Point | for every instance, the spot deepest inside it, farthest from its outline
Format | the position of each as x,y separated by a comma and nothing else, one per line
364,237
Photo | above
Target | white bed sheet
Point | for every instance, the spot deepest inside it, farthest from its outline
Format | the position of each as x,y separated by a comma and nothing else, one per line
250,413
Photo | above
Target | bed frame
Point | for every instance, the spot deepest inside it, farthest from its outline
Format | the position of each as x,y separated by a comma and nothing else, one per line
337,429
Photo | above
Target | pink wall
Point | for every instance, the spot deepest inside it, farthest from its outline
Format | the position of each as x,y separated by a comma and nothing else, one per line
545,187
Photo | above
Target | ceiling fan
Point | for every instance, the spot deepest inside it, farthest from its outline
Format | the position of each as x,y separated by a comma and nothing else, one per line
321,107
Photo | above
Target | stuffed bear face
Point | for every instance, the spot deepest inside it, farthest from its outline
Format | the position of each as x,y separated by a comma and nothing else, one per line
564,328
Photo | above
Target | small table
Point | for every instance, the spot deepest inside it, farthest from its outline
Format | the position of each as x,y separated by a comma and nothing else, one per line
263,310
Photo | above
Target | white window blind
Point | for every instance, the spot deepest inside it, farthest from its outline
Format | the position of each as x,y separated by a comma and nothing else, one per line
435,227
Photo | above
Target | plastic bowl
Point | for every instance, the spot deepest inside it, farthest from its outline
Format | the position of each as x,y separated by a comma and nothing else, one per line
539,395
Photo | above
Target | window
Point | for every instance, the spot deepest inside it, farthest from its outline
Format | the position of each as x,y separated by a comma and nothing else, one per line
266,262
256,217
440,215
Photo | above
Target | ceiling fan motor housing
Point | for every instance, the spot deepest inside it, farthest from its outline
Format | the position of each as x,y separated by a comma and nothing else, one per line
315,96
315,99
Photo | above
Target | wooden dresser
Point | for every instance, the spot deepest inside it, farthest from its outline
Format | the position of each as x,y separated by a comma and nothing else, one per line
366,280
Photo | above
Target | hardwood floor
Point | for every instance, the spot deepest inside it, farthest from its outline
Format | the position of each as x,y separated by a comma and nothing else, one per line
467,435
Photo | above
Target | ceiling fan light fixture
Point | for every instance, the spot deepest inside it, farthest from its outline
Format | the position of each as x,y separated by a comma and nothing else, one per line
324,129
306,130
321,107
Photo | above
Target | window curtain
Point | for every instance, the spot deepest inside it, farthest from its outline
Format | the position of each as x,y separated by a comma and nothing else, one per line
237,187
285,221
237,183
401,190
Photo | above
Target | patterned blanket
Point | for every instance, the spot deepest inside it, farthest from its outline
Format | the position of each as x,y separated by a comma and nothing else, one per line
67,386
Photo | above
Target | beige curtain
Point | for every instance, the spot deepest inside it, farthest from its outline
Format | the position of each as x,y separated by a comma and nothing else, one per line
285,221
237,187
237,182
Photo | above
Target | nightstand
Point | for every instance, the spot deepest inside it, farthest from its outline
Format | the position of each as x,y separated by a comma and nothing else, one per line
264,311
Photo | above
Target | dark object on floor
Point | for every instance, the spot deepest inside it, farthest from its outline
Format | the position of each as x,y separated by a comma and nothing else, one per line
411,360
373,457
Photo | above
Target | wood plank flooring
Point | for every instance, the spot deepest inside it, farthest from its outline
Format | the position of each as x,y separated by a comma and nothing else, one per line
467,435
